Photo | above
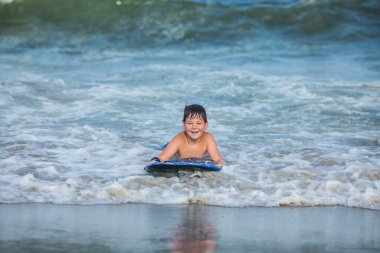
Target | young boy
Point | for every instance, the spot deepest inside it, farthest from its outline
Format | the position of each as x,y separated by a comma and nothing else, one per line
194,141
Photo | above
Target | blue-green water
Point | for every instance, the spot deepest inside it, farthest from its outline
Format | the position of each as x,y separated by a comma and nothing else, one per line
92,89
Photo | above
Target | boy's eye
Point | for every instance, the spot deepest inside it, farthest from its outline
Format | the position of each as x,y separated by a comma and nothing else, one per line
191,123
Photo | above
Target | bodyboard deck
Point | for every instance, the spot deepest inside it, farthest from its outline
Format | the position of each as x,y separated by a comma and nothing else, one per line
182,165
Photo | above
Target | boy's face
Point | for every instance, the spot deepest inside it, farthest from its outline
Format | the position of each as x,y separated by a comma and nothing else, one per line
194,127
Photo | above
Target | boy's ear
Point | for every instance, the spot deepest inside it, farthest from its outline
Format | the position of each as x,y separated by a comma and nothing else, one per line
206,125
183,125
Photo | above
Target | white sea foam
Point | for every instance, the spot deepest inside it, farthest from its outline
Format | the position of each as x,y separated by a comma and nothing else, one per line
82,134
356,185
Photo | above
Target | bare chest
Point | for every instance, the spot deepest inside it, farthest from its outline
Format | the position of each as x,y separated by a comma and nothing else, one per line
197,150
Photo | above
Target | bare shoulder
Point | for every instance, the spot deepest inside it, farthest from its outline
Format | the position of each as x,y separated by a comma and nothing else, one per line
171,148
208,137
178,138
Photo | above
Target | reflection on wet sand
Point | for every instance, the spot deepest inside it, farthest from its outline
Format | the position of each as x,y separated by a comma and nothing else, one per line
195,234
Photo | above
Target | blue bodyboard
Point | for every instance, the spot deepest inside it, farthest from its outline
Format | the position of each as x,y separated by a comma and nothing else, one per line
182,165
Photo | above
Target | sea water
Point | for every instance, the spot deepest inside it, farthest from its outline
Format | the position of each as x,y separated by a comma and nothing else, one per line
91,90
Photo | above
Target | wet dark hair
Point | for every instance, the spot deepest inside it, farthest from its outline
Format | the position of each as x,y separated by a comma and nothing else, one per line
194,111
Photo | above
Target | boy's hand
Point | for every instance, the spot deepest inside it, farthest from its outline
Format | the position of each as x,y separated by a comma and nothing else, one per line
153,160
219,163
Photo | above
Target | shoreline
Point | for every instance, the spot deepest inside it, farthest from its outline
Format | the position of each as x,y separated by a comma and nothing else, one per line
178,228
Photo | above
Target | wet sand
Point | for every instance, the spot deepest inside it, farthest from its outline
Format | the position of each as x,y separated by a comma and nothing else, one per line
181,228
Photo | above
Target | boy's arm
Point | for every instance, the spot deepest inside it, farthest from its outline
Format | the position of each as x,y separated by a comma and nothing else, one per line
170,149
213,151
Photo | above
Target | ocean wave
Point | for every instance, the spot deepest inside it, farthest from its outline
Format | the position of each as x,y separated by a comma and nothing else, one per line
355,186
152,23
287,142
